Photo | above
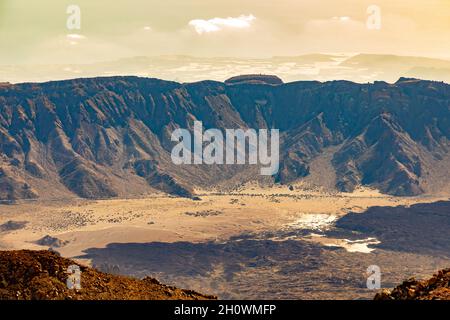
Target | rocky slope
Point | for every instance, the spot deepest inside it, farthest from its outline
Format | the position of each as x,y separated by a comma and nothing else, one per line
42,275
436,288
107,137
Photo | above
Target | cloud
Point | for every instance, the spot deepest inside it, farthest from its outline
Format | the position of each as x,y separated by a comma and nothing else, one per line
75,36
342,18
75,49
217,24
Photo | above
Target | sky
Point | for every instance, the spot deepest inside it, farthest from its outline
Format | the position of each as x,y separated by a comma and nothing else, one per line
37,32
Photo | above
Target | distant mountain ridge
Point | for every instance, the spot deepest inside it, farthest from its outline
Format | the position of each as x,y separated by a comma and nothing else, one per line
107,137
360,68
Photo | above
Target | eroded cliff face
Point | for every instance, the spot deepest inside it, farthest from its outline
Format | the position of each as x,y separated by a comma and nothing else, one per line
107,137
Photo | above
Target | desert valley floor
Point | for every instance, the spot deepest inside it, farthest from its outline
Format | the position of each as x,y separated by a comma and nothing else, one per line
251,243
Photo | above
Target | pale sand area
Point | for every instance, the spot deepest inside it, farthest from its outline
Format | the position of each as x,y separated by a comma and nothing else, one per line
85,224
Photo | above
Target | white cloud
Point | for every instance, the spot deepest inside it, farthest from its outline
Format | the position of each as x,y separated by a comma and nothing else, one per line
216,24
342,18
75,36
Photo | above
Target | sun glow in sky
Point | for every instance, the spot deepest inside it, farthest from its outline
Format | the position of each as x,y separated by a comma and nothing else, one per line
36,31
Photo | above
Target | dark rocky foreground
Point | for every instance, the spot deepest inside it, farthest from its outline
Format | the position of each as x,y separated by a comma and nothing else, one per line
41,275
435,288
107,137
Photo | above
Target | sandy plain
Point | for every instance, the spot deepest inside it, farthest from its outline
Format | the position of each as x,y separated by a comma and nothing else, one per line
85,225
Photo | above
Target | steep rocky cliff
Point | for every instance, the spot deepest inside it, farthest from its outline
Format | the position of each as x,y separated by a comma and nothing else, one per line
106,137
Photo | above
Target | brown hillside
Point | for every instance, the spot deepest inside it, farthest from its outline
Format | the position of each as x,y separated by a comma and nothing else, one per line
41,275
436,288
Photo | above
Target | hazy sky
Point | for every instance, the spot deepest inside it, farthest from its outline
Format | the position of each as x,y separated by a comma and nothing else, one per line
35,31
